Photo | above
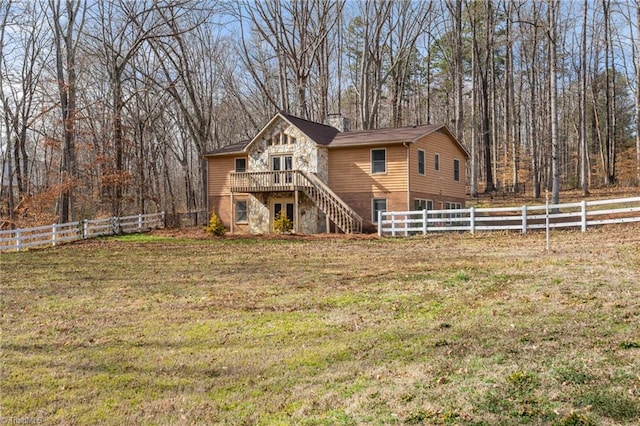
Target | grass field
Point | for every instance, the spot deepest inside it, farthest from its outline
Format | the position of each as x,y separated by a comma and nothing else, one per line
444,329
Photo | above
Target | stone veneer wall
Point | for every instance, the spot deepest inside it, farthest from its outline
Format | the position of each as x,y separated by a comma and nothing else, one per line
258,214
306,155
310,219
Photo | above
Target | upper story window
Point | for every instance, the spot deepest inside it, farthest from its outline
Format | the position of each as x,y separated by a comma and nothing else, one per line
275,139
378,161
241,165
436,162
421,167
456,170
281,139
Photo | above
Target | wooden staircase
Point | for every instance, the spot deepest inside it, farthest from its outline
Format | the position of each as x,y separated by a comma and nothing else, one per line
339,212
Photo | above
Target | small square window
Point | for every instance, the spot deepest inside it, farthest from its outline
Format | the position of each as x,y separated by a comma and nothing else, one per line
292,140
378,161
241,211
241,165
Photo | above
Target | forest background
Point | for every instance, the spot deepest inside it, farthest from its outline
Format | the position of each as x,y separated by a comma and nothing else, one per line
108,106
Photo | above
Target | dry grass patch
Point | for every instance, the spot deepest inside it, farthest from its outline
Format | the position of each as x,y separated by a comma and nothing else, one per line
445,329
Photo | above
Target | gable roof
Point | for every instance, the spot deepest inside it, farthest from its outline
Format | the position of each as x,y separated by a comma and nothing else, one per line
321,134
235,148
391,135
330,137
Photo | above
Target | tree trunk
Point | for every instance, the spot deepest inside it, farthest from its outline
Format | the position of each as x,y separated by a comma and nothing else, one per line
637,93
553,103
584,148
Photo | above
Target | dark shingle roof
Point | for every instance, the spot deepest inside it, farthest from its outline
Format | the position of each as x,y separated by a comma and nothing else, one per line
332,138
319,133
379,136
236,148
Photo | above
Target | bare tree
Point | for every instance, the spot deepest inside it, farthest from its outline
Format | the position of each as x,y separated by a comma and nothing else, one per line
637,97
67,25
297,33
584,147
190,71
21,77
608,145
409,21
455,8
124,27
553,100
484,59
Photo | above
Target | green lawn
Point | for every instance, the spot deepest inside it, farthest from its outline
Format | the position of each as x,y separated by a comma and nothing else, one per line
445,329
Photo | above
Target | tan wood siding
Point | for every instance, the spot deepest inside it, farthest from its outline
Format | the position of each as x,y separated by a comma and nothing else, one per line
361,202
350,170
218,170
440,182
221,205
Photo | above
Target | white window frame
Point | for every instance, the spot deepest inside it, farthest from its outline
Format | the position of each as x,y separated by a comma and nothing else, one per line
385,161
235,164
246,211
428,204
456,171
374,212
424,162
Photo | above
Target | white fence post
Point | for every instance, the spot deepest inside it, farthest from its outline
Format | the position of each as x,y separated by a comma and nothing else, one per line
54,234
406,225
19,239
524,219
425,216
393,224
472,220
140,222
380,223
85,229
115,225
583,215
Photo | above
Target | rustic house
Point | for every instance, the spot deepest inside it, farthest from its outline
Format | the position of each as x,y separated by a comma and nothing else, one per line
325,178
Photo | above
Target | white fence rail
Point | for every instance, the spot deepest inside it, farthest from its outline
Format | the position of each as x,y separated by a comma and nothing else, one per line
18,239
578,215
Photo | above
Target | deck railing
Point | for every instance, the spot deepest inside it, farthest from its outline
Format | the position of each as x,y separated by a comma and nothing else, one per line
271,181
339,212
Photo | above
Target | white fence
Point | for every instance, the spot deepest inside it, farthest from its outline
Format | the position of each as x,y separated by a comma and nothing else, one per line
579,215
18,239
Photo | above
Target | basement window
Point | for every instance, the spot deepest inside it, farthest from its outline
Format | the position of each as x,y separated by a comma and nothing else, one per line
241,211
378,205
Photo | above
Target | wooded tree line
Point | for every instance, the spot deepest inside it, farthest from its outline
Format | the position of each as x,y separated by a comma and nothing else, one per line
108,106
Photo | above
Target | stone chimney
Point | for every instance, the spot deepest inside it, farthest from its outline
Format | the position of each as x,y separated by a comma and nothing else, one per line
338,121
